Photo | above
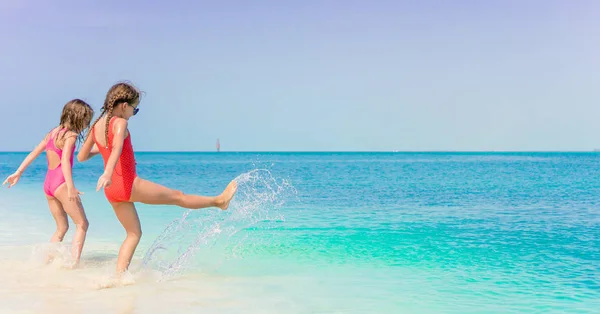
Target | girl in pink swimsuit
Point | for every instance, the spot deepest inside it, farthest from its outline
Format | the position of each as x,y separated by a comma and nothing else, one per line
63,197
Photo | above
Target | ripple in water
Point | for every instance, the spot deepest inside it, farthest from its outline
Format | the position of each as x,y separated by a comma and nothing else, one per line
257,202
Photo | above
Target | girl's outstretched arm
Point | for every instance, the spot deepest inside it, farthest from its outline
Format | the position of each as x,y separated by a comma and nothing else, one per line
120,133
14,178
66,167
88,149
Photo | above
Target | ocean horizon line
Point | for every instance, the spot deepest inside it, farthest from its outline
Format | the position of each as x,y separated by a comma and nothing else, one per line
342,151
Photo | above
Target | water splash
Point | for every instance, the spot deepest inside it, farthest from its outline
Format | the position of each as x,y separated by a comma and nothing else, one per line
256,203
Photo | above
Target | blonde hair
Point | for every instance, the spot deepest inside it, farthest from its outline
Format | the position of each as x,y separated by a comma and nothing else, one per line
76,117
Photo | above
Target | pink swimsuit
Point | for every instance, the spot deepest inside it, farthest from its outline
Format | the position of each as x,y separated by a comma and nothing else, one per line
55,177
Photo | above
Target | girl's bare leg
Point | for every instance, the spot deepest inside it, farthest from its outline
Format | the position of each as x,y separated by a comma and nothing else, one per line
75,210
148,192
60,217
62,223
127,215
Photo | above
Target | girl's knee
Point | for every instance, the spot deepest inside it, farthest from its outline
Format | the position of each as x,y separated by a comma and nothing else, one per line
84,225
177,197
61,231
135,234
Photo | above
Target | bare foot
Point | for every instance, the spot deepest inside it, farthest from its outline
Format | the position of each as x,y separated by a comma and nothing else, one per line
225,197
119,279
71,266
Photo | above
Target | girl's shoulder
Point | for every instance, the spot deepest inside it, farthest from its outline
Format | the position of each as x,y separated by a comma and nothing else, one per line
113,120
64,132
71,133
53,132
119,121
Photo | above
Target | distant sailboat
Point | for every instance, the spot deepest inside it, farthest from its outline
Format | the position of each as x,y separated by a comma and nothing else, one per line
218,146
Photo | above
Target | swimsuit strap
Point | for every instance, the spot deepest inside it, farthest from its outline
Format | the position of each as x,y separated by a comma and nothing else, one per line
52,137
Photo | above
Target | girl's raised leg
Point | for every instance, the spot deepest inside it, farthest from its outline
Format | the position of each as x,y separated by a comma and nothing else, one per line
127,215
148,192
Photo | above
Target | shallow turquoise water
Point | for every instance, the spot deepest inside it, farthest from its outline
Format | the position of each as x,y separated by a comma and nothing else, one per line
359,232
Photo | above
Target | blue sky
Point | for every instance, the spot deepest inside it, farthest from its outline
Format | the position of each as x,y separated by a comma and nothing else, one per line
311,75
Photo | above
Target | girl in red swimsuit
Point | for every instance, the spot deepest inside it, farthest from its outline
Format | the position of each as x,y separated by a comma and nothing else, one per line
122,186
59,188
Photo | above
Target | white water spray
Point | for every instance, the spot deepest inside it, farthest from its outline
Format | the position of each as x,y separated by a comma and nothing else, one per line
257,202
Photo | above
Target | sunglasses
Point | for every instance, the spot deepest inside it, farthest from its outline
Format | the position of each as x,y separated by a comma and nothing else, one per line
135,110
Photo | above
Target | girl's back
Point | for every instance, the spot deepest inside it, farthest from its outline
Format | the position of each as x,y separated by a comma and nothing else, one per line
99,132
54,154
103,133
125,172
54,147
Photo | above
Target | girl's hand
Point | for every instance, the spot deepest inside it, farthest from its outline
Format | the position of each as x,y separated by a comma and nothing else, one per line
12,179
103,182
74,194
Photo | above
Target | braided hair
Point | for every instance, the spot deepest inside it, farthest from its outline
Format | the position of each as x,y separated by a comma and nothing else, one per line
117,94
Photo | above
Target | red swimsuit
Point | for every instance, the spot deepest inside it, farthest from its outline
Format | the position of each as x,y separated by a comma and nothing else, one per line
122,178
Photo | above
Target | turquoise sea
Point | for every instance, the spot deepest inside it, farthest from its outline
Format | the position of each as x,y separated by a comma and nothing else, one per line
323,233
